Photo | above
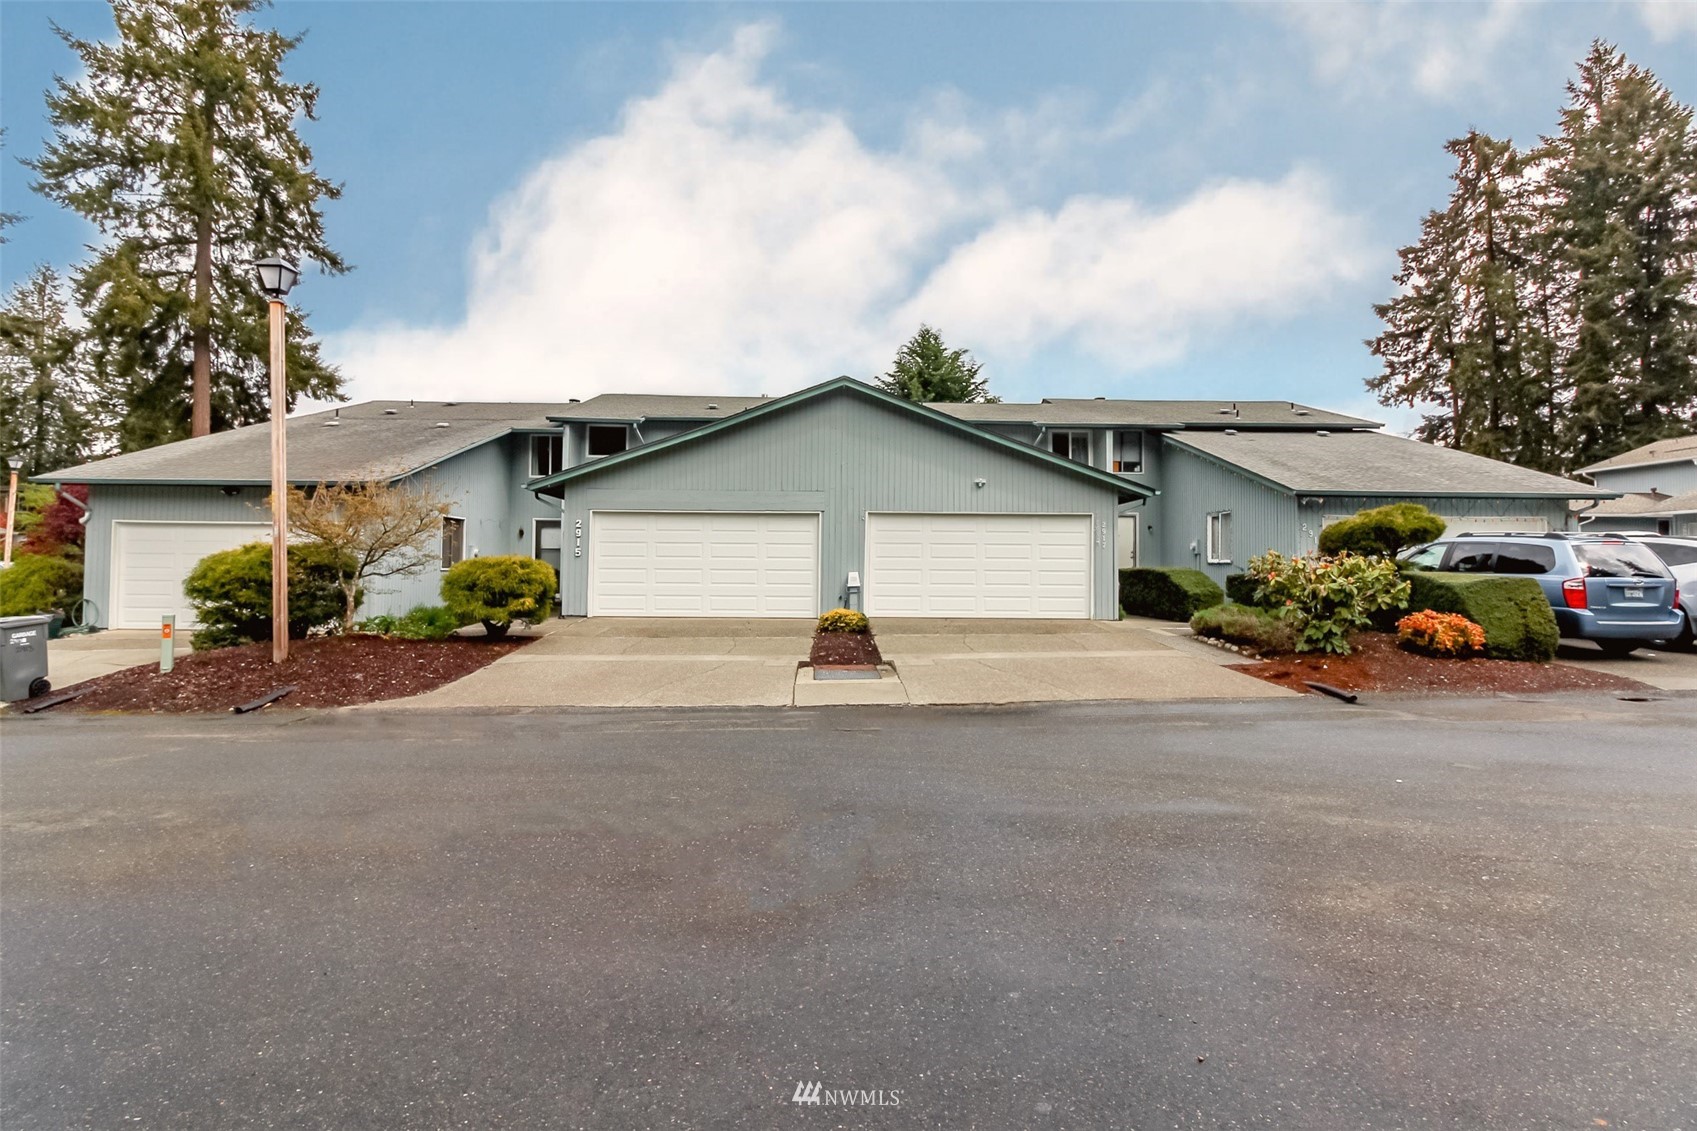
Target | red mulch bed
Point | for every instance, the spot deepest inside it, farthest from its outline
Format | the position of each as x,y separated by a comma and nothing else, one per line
331,671
1379,664
844,649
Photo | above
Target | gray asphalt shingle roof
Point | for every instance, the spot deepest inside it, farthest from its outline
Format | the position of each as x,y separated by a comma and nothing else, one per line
1658,451
372,440
1157,414
1375,463
1646,503
656,406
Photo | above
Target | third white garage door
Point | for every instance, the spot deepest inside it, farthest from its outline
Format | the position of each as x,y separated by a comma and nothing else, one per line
703,564
978,565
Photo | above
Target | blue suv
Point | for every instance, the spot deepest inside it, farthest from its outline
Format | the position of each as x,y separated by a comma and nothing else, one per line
1604,589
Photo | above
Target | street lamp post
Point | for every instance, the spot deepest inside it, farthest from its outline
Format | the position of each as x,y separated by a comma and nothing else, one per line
16,463
276,278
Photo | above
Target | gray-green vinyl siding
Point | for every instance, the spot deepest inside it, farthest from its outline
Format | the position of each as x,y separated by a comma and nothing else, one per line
1268,518
485,485
841,457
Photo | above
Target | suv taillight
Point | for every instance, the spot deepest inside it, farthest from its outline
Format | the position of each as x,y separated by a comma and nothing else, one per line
1573,592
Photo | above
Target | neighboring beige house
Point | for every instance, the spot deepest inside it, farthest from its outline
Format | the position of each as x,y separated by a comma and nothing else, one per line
1659,489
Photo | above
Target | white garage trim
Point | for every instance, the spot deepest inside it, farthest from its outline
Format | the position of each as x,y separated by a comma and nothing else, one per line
973,564
151,558
704,563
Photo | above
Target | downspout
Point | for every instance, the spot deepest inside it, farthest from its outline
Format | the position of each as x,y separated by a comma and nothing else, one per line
1578,514
80,505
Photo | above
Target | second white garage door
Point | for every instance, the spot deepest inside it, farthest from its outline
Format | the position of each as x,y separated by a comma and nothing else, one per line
978,565
150,560
703,564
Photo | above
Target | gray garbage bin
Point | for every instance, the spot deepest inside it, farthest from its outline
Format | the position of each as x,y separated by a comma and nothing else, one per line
23,657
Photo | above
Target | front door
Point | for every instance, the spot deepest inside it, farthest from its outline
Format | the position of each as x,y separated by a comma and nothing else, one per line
546,544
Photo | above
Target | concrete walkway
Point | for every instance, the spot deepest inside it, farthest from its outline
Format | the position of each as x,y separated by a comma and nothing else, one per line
74,659
620,662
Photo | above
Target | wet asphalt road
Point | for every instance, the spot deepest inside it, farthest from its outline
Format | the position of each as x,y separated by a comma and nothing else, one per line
1284,915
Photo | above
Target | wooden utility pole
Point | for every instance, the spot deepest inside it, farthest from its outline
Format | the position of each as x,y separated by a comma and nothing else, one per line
279,491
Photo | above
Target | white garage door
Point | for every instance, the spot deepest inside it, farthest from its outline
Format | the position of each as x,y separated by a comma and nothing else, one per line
151,559
977,565
703,564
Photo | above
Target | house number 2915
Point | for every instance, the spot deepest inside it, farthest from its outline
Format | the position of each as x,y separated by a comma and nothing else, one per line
577,538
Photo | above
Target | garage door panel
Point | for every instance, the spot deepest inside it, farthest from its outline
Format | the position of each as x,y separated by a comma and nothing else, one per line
680,563
978,565
150,561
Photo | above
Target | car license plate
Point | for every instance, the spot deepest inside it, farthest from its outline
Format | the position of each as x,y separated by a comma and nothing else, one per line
1635,593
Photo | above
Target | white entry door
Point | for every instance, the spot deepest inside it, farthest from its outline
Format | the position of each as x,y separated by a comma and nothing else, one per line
151,560
703,564
978,565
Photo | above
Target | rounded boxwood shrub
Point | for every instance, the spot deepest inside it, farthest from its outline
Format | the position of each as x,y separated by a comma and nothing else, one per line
1168,594
1513,611
844,620
498,591
1381,531
231,593
1241,588
37,583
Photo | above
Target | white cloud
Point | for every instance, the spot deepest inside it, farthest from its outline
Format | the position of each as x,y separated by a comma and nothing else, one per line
1443,51
1669,19
1131,285
723,238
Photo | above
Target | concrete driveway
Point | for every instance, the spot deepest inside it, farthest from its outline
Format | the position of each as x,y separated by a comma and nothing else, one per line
1671,670
73,659
637,662
1037,661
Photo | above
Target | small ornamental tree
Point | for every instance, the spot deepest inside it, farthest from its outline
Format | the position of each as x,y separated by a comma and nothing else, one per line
377,528
498,591
1382,531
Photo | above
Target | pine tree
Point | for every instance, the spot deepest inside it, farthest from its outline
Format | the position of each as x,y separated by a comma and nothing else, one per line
7,219
1462,336
179,143
44,397
1622,216
926,370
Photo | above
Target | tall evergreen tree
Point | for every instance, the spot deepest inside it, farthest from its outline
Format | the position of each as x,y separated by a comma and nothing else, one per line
179,142
1622,217
1463,335
7,219
44,397
927,370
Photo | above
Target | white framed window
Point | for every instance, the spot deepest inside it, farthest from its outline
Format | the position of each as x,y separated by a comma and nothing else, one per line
547,454
1128,452
1220,538
453,540
607,439
1072,445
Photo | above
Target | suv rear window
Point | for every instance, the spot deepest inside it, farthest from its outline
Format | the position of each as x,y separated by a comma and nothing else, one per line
1619,559
1517,557
1675,554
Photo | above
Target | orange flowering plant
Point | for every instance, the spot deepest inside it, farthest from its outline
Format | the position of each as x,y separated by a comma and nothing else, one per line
1440,634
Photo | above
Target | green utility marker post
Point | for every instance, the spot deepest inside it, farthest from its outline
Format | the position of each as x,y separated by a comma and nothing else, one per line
167,630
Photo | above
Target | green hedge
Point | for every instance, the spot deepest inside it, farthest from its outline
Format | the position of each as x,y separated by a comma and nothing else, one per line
231,593
1381,531
1513,611
1240,588
1245,624
498,591
1168,594
37,583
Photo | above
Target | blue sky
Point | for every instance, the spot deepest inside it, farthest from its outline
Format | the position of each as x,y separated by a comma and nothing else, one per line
550,200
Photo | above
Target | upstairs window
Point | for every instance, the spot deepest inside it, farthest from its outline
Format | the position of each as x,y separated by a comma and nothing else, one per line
453,541
607,439
1072,445
1220,538
1128,448
547,455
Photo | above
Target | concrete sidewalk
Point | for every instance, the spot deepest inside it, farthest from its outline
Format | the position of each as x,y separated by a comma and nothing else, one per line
618,662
